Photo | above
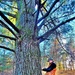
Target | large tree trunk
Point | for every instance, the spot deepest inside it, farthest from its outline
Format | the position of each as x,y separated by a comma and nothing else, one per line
28,58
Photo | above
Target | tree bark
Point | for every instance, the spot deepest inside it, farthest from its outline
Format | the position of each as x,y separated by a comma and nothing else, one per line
28,57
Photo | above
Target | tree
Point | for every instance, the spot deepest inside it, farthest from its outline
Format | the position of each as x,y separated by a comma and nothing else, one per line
26,37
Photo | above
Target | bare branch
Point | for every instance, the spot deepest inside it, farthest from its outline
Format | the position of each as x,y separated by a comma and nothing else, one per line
46,35
57,7
9,5
7,48
9,14
37,15
9,22
42,5
69,52
6,26
40,26
48,11
65,15
11,38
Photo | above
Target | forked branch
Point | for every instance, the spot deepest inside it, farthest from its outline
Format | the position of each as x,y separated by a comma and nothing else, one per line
46,35
9,22
43,17
6,26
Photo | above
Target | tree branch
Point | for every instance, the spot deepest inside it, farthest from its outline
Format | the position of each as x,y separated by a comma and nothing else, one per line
57,7
37,15
40,26
46,35
9,14
11,38
7,48
68,51
6,26
48,11
9,22
9,5
42,5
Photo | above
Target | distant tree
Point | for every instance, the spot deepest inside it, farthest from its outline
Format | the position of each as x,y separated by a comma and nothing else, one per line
5,61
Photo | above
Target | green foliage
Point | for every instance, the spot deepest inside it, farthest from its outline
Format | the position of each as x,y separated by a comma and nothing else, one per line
5,61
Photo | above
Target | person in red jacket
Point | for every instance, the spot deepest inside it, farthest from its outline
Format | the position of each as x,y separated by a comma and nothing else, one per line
51,69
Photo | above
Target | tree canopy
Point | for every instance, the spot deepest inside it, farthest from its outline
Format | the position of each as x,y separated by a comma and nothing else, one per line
54,22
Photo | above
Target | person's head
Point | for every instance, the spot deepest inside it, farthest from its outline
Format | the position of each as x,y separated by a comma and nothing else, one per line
50,60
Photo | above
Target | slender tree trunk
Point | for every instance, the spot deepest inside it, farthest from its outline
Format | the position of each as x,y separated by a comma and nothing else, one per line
28,58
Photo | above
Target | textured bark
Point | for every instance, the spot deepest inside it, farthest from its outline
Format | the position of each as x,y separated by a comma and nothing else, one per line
28,58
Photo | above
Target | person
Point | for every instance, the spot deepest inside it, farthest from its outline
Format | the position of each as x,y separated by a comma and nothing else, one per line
51,70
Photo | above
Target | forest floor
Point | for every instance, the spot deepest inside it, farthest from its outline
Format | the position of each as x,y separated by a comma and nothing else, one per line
59,72
64,72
